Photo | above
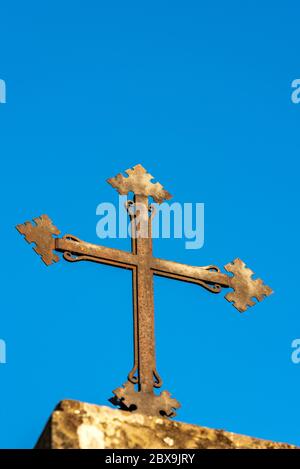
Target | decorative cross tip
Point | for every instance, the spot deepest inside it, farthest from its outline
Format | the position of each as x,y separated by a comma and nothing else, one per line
244,286
145,403
139,182
41,233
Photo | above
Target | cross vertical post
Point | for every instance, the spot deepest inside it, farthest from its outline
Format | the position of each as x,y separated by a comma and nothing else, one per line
145,306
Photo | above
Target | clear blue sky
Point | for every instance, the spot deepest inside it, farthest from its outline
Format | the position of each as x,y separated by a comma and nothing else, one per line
199,93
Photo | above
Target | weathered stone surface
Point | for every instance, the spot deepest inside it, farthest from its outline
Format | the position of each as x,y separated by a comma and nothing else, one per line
77,425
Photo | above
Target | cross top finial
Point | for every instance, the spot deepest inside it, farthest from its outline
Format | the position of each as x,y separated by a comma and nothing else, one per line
139,181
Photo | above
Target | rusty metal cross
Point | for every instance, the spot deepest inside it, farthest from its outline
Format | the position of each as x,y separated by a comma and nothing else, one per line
137,394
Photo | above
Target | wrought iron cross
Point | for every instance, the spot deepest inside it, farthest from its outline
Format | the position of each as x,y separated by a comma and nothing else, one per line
137,394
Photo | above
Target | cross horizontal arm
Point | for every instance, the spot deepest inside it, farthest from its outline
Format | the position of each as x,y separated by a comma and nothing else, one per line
239,276
186,273
87,251
244,287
